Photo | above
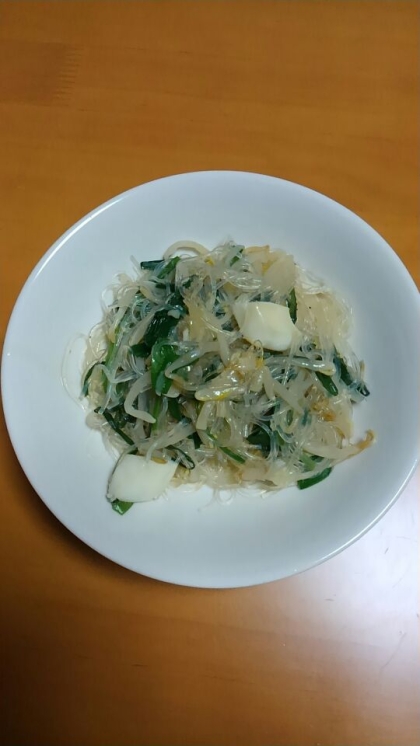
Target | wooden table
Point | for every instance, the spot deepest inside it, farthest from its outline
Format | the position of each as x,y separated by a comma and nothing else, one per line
95,98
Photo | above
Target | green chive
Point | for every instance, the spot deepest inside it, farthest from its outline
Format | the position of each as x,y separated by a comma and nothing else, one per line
174,409
362,388
235,456
262,439
309,461
110,420
159,328
292,303
85,387
169,267
327,383
120,506
188,459
140,350
196,438
347,377
306,417
237,256
157,408
310,481
151,265
163,354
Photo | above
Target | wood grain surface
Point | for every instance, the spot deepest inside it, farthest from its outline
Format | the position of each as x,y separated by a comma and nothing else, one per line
96,98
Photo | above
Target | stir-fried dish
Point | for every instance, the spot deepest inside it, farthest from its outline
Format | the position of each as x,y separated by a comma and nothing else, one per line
229,367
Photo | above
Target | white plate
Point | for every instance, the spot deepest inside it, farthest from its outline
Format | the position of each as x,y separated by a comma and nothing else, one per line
184,539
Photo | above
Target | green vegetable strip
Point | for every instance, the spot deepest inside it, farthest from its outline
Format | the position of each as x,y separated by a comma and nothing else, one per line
188,459
292,303
235,456
306,418
120,417
310,481
157,408
262,439
112,352
309,461
174,409
176,301
259,438
327,383
348,379
196,438
343,370
140,350
237,256
362,389
85,387
151,265
162,355
160,327
110,420
120,506
169,267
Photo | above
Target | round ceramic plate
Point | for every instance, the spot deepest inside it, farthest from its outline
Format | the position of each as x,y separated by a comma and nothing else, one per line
189,538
